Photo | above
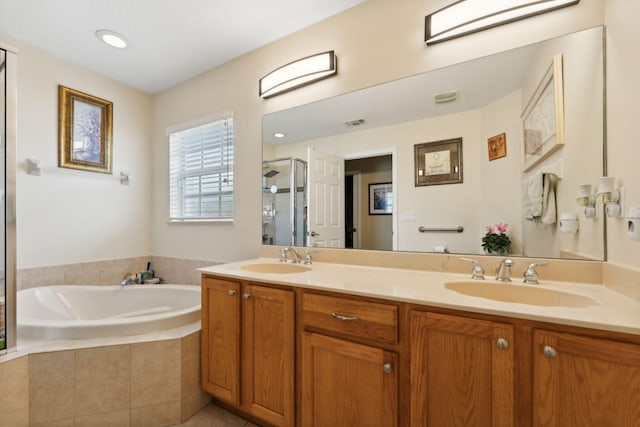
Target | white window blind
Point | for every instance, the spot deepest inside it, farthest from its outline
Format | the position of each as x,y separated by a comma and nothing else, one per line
201,172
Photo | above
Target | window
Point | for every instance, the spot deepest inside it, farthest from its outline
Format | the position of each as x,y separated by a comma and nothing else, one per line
201,171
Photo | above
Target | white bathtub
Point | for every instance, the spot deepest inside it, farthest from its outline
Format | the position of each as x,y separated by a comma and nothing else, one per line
81,312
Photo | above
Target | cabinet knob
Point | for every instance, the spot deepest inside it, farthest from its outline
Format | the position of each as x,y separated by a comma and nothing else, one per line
386,368
246,296
549,352
231,292
502,343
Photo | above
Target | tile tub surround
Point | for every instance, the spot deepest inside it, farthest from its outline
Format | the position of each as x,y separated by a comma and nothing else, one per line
153,383
110,272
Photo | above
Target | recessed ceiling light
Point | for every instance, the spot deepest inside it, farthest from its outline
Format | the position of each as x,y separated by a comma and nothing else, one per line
112,38
279,135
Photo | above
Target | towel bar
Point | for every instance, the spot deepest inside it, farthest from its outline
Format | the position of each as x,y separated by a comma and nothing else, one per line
458,229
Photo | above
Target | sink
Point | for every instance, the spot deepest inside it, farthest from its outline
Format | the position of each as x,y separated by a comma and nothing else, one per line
275,268
523,294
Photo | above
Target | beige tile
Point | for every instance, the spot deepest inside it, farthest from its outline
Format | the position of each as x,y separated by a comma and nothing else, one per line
102,380
165,414
14,398
63,423
51,386
155,372
192,404
111,419
192,397
81,274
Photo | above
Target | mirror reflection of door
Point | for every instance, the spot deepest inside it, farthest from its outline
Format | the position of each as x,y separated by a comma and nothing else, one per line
326,200
372,231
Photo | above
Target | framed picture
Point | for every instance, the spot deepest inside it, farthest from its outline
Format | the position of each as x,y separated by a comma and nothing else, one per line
381,198
543,117
84,131
497,146
438,162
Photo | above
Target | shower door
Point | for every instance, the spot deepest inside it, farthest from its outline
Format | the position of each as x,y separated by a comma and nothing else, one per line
7,200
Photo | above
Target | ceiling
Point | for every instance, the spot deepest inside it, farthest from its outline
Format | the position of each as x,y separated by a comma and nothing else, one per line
169,41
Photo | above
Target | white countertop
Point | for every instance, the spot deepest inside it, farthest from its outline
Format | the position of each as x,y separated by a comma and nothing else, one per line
615,312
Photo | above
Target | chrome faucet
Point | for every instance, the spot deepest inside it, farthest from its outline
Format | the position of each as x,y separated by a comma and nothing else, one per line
478,272
295,256
128,280
531,275
307,257
503,272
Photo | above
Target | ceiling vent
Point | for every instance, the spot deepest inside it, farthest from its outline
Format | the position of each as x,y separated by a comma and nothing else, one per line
444,97
354,123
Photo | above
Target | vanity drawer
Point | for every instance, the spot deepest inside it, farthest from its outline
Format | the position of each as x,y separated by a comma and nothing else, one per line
363,319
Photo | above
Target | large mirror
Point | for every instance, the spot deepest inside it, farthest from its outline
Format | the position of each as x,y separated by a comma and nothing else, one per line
391,167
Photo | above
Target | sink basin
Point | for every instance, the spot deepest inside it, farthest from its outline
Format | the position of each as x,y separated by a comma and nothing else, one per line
523,294
275,268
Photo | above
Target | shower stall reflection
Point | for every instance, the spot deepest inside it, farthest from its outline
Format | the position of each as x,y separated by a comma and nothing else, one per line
284,195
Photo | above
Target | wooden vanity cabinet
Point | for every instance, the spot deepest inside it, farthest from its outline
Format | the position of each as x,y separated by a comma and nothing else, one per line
583,381
248,348
462,371
348,377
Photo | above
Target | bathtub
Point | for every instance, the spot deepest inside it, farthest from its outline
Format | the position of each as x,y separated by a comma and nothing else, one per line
80,312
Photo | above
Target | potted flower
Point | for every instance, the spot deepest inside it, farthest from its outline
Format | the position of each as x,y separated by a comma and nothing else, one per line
496,240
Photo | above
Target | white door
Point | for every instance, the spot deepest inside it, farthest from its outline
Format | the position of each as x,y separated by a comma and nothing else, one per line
325,208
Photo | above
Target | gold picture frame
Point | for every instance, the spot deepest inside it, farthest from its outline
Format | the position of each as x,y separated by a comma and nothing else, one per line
497,146
85,128
543,117
438,162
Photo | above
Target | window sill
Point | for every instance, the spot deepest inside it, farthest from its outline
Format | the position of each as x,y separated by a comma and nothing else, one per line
199,221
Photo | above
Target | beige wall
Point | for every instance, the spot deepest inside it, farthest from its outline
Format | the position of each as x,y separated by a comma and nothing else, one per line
67,216
368,53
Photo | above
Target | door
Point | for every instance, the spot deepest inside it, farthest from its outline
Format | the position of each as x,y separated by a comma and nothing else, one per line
268,354
326,200
347,384
581,381
461,372
220,337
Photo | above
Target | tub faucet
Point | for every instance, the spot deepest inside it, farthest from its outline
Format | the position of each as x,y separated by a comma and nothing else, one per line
503,272
128,280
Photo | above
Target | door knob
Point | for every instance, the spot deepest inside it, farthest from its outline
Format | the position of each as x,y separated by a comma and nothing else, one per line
314,234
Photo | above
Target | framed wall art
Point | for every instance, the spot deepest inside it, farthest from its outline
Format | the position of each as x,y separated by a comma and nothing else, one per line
438,162
497,146
543,117
84,131
381,198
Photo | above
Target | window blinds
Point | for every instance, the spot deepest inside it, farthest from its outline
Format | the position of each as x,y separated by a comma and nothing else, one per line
201,172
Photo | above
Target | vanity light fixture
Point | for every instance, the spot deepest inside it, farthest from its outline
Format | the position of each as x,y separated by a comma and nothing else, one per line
112,38
470,16
298,73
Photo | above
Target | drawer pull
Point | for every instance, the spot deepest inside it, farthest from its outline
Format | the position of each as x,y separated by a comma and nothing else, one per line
346,318
386,368
549,352
246,296
231,292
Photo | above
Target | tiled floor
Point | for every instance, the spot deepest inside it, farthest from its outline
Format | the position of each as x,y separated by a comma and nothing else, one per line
214,416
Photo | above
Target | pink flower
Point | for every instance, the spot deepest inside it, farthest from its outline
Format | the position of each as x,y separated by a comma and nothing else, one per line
489,229
502,228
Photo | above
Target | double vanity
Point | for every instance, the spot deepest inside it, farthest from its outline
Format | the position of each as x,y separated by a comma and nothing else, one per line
339,344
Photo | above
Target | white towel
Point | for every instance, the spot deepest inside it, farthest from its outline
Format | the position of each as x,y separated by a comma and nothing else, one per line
548,200
539,198
532,197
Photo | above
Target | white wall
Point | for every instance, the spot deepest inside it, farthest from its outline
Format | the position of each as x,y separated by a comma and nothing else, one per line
67,216
623,120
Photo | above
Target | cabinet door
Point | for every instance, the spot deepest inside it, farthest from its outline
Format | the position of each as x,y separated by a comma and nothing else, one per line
268,354
220,337
580,381
347,384
461,372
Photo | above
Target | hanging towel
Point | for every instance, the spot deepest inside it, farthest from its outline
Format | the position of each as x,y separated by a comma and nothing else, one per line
532,197
548,216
